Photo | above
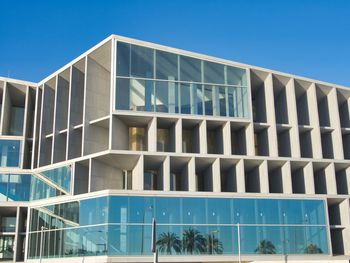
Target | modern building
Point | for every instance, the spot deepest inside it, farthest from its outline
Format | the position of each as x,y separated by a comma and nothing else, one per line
235,162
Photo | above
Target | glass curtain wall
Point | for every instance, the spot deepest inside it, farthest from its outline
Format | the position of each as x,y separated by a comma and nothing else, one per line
10,153
6,247
159,81
25,187
121,226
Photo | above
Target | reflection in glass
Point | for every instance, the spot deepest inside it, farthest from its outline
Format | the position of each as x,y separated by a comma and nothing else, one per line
185,98
180,90
123,94
236,76
166,97
141,95
7,247
60,176
222,101
166,65
123,59
137,139
163,140
121,225
208,100
190,69
214,73
141,62
9,153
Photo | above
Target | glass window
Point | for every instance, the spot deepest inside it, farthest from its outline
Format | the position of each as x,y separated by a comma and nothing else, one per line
123,59
4,179
166,97
60,176
291,212
141,209
208,100
93,211
162,98
7,246
244,211
118,209
199,99
40,190
168,210
17,119
222,101
166,65
185,98
194,211
214,73
19,187
9,153
141,95
137,139
219,211
190,69
163,140
268,211
122,94
142,62
231,94
236,76
313,212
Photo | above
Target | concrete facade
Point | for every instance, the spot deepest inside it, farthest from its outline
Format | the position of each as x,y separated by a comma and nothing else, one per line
292,141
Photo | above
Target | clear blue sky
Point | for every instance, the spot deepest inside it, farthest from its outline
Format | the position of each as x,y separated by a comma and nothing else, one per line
305,37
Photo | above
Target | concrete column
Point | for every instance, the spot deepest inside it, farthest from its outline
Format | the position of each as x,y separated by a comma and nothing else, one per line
152,135
226,134
335,124
271,117
309,179
203,137
166,174
137,175
240,176
264,178
314,122
287,178
293,119
249,134
192,175
178,136
216,176
330,179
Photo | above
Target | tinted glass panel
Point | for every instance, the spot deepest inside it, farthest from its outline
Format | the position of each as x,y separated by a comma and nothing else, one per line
236,76
190,69
141,95
126,226
60,176
166,65
122,94
141,62
123,59
208,100
185,98
214,73
19,187
9,153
